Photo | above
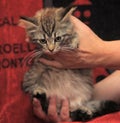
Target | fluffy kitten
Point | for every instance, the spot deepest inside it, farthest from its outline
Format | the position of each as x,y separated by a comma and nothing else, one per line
51,30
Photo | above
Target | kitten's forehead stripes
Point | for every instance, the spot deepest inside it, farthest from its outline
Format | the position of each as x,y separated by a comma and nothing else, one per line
44,36
55,34
48,25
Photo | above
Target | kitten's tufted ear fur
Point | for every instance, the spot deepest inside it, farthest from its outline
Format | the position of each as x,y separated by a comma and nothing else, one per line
27,22
64,13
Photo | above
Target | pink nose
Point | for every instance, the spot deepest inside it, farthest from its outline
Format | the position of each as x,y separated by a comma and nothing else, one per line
51,50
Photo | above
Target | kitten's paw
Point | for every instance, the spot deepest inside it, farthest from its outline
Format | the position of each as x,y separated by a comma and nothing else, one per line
41,96
86,115
80,115
43,100
37,91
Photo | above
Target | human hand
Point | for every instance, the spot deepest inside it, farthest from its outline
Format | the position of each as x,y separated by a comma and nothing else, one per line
52,116
88,55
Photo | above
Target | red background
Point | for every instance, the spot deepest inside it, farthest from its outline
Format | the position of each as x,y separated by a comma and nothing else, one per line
15,105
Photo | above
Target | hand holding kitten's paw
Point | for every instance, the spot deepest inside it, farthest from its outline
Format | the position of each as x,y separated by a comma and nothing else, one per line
52,115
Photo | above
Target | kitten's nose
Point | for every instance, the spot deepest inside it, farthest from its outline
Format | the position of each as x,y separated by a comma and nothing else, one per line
51,47
51,50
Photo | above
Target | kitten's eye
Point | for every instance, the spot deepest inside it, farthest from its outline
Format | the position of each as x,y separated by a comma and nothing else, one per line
58,39
43,41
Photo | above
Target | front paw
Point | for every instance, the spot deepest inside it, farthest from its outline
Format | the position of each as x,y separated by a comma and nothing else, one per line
43,101
37,91
80,115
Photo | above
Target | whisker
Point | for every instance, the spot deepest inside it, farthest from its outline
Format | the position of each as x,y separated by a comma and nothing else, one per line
31,56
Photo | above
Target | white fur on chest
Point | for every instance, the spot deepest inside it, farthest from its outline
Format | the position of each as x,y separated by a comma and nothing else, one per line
67,84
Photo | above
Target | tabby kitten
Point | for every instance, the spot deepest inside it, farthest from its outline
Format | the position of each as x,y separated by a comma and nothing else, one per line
52,31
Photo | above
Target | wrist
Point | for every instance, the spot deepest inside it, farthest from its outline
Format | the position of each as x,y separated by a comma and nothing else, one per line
92,54
111,55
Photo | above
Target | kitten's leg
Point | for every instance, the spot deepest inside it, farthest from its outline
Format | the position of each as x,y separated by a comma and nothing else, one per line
81,114
36,91
100,108
94,109
33,85
31,82
41,96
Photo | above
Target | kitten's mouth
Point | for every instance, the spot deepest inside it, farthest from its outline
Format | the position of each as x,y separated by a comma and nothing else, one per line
50,53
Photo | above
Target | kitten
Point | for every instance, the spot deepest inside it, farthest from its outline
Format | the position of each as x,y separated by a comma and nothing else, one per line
52,31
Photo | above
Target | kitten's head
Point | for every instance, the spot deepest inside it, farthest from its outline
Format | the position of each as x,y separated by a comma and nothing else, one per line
50,28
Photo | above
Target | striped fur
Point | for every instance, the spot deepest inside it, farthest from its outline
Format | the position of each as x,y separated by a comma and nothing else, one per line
52,31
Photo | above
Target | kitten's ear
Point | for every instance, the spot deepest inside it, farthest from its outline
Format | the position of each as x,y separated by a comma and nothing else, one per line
64,13
27,22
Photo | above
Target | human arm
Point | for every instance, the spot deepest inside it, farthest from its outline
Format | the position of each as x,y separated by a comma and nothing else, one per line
111,55
92,51
108,88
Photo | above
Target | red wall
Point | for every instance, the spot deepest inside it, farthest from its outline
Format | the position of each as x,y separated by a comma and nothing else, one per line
15,106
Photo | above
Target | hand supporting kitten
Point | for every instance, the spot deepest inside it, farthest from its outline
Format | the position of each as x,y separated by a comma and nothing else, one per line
52,115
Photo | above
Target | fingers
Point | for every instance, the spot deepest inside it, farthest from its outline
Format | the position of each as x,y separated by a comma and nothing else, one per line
38,109
52,110
64,114
51,63
52,115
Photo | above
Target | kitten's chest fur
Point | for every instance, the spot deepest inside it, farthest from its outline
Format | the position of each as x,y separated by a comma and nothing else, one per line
75,85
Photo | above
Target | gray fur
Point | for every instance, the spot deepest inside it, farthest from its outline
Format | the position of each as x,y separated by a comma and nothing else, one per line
77,84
